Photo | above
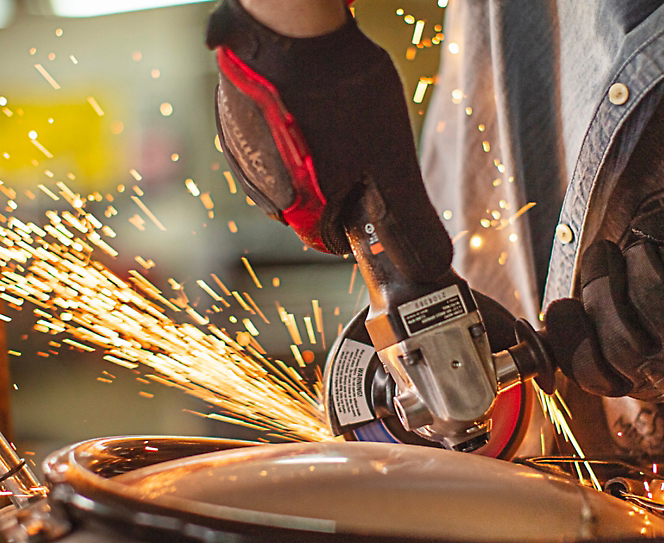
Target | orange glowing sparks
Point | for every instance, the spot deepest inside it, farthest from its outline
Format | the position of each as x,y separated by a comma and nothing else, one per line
149,213
221,284
192,188
47,76
231,182
105,312
98,110
253,275
166,109
514,217
241,301
298,356
417,32
207,201
310,330
255,307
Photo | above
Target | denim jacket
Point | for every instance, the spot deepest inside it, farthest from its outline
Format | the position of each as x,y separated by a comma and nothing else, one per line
538,107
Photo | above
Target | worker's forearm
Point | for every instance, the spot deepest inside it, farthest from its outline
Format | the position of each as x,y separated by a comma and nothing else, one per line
298,18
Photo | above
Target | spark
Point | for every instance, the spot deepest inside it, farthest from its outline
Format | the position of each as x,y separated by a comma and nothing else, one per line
147,264
417,32
251,328
421,89
518,214
291,324
73,59
298,356
192,188
231,182
95,106
207,201
223,287
132,328
166,109
352,279
78,345
138,222
550,408
241,301
47,76
255,307
310,330
149,213
459,236
318,318
209,290
135,175
43,149
251,272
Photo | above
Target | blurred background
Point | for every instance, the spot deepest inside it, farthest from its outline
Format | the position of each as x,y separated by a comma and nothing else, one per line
114,101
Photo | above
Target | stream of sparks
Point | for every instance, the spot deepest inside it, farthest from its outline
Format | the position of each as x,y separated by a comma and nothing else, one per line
53,267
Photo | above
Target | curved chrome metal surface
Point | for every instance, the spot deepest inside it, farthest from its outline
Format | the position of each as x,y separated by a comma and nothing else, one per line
381,489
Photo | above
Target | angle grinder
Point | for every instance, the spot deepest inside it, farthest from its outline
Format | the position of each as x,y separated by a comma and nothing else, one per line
417,366
317,133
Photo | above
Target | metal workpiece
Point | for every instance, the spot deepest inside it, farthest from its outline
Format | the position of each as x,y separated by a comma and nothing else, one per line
447,381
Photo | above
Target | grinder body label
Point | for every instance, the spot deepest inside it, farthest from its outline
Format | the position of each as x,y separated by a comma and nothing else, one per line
348,376
432,309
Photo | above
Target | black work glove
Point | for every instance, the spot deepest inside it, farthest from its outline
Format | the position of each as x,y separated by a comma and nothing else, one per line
310,126
612,344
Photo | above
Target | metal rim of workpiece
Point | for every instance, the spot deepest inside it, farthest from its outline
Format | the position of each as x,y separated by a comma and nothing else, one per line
82,487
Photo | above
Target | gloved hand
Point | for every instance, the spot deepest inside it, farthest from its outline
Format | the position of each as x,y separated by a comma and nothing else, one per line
311,125
613,343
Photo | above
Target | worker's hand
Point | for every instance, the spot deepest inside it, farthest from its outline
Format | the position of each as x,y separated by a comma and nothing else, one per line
311,125
613,343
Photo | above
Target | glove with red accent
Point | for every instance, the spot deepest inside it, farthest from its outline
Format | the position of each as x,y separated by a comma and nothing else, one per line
612,344
310,125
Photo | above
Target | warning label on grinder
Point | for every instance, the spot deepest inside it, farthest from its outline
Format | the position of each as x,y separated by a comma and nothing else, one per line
348,376
432,309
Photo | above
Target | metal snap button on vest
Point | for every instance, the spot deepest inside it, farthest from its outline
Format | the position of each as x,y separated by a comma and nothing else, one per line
618,94
564,233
